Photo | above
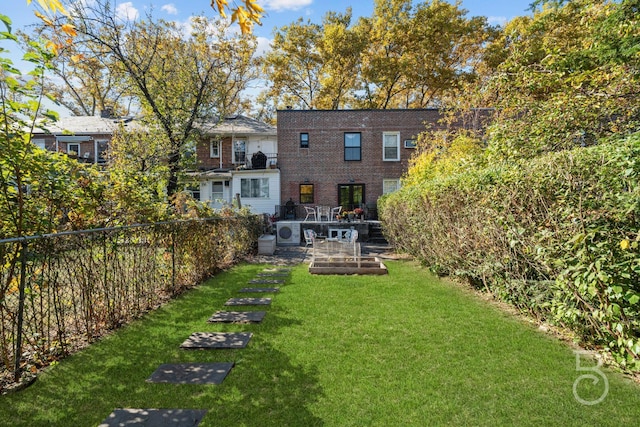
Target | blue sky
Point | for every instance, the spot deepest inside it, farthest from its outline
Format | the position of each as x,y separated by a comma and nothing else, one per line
278,13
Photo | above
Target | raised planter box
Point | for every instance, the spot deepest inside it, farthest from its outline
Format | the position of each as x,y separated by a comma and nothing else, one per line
347,265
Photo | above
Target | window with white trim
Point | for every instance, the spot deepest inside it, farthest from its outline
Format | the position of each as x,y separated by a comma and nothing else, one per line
390,185
217,190
73,147
214,149
256,188
391,146
239,150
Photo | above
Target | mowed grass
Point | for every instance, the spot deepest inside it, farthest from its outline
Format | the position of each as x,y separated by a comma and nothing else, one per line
396,350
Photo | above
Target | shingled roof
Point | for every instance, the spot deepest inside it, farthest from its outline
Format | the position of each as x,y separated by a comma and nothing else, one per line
237,125
86,125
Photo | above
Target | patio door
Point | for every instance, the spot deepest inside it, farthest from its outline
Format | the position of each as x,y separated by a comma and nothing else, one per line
350,196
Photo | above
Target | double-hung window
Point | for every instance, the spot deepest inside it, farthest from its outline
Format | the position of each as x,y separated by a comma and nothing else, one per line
391,146
239,151
217,190
304,140
254,188
306,193
352,146
390,185
214,149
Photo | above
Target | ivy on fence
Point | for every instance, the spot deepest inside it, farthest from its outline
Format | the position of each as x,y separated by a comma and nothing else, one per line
62,291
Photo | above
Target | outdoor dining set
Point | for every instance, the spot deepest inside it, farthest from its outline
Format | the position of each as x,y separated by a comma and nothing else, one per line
321,213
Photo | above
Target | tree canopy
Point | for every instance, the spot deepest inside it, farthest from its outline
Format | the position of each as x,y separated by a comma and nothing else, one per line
568,78
403,56
179,79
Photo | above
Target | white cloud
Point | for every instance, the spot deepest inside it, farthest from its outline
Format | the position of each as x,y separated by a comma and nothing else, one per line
186,27
127,12
497,20
280,5
264,45
170,8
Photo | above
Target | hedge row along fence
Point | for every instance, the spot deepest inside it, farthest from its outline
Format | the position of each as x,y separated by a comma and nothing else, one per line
556,236
62,291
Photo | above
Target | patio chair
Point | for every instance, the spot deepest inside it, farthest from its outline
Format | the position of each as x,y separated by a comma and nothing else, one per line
324,212
335,212
311,212
309,236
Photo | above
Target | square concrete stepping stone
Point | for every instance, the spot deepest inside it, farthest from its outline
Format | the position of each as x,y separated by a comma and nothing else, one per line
277,270
191,373
237,317
248,301
207,340
258,290
272,274
266,281
154,418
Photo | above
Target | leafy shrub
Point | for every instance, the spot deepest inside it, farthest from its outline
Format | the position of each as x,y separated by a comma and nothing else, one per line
557,236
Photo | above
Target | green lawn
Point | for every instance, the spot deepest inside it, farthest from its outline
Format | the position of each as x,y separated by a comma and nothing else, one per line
396,350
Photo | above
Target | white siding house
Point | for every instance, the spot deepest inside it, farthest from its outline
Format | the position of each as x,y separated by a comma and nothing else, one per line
238,156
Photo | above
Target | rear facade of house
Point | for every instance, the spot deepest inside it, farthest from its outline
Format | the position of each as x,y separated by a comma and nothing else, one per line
346,158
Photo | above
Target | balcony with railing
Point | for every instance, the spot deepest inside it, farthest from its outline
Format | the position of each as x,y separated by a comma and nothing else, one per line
257,160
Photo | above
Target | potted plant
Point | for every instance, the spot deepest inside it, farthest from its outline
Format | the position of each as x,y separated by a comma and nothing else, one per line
359,212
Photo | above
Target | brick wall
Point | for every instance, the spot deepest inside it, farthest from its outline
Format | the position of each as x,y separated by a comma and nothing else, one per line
323,164
87,148
203,155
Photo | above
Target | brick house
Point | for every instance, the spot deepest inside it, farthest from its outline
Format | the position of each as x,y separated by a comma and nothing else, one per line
238,156
235,156
86,137
347,158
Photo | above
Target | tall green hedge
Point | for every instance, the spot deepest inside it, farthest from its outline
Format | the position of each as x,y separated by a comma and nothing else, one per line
556,236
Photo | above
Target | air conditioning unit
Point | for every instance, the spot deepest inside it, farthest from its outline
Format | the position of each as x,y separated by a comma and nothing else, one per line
288,233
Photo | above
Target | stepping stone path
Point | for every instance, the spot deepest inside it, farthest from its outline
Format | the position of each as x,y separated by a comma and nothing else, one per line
237,317
258,290
217,340
248,301
191,373
266,281
275,270
154,417
202,373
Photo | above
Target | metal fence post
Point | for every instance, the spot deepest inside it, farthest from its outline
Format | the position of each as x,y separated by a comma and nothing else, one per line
173,259
23,274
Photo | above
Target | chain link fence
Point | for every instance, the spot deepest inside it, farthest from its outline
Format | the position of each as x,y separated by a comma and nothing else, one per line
60,292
